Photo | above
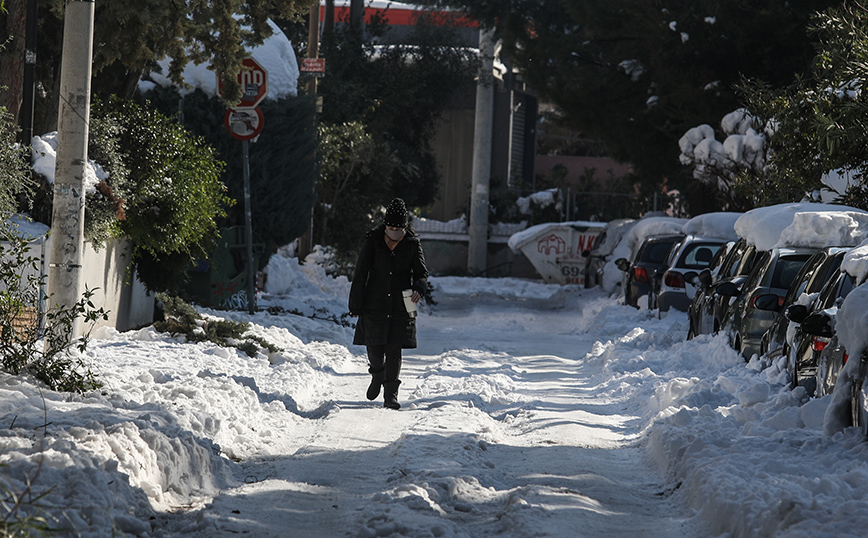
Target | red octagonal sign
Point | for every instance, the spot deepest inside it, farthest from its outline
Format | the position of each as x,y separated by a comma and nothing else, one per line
254,84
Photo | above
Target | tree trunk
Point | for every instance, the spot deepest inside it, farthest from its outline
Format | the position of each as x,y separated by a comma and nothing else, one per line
328,29
12,24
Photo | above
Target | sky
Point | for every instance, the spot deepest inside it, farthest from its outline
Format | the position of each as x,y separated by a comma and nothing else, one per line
528,409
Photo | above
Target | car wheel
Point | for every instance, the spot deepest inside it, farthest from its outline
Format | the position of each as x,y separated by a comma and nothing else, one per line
791,371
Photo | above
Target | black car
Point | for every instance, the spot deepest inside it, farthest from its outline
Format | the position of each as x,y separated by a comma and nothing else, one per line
647,258
708,308
819,268
815,358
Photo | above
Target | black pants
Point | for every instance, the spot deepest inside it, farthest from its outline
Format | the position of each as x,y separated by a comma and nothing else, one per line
388,356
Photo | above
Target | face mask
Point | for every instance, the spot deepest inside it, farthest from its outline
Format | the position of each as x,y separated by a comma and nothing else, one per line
395,235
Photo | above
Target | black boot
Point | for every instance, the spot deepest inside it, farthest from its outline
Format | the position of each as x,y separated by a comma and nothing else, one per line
390,394
376,382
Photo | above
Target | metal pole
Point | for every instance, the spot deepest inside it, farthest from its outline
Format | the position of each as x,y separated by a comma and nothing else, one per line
29,72
248,232
477,252
67,224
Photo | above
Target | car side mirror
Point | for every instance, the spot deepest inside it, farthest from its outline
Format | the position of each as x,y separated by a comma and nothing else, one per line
622,264
818,324
768,301
586,253
727,289
692,277
796,313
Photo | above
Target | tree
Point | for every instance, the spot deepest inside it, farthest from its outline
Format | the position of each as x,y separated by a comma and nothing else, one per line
283,167
354,176
129,37
821,120
638,74
398,91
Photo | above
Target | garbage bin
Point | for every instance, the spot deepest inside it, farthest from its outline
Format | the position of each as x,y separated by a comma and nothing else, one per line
221,280
556,249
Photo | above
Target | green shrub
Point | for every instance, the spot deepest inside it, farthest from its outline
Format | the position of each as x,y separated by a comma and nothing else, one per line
25,346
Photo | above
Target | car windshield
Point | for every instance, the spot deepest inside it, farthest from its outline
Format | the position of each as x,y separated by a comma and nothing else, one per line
786,270
698,255
656,251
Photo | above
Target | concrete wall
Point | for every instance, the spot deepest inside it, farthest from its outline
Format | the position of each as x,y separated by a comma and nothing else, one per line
105,270
130,306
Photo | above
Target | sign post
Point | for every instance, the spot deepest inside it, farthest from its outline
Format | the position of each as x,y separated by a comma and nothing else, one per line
244,121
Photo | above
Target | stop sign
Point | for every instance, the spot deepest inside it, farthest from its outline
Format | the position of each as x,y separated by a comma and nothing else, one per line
254,84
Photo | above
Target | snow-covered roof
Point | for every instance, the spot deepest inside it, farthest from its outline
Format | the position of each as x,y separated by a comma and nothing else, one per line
718,225
803,224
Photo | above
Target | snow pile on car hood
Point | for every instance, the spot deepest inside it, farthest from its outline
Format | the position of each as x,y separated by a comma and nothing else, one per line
803,225
720,225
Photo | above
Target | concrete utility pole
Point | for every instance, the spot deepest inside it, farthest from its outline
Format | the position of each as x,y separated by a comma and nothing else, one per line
67,224
477,252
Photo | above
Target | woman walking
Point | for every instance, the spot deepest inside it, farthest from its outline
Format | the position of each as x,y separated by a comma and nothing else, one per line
390,266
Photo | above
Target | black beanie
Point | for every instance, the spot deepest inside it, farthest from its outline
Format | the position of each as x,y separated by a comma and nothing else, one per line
396,214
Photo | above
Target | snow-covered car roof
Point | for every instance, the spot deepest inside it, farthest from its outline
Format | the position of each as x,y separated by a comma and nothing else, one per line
649,226
805,224
718,225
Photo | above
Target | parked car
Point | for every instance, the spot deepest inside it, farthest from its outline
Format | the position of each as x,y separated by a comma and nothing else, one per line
646,258
602,249
690,255
708,309
758,300
808,362
819,268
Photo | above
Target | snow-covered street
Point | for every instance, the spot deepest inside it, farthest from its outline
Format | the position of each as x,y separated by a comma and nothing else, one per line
503,432
528,410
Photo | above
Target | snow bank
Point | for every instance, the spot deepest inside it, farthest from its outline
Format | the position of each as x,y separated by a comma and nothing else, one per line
803,225
25,228
44,159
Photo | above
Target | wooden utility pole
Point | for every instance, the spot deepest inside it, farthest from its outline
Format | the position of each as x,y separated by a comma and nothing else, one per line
67,220
305,242
477,252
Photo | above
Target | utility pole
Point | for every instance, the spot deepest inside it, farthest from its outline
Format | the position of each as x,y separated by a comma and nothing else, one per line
29,72
67,220
305,242
477,252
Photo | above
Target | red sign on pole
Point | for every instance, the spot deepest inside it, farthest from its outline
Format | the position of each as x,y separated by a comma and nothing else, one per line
316,66
254,84
244,123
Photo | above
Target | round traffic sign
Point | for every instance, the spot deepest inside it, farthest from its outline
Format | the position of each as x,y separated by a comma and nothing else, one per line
244,123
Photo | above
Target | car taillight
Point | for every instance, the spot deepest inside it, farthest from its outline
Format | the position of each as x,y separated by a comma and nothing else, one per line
639,274
673,279
820,343
846,356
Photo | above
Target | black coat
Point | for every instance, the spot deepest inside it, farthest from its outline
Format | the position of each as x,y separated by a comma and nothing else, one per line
375,295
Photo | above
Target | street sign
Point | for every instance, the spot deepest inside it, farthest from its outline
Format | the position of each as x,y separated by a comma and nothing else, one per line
253,79
315,66
244,123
